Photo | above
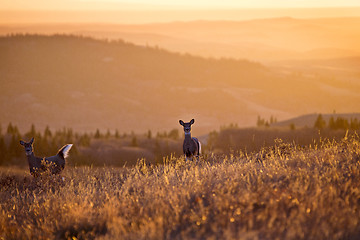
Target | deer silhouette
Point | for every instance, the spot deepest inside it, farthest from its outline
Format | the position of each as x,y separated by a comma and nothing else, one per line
191,145
55,164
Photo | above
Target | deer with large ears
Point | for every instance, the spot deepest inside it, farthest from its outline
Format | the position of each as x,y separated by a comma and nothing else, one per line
191,146
55,164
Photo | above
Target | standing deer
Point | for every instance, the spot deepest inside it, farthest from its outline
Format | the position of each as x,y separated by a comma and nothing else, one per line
191,146
38,165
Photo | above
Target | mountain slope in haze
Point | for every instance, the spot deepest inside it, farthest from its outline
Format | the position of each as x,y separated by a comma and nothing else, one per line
87,84
260,39
310,119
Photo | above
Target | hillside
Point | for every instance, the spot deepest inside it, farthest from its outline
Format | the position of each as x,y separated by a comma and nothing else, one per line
86,84
309,119
266,40
283,192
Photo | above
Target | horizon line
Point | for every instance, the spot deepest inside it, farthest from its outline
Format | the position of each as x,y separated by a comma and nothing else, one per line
146,16
177,9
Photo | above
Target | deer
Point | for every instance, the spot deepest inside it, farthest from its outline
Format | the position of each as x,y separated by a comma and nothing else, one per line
55,164
191,145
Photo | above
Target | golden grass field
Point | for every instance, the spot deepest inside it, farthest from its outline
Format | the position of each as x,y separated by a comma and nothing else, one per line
281,192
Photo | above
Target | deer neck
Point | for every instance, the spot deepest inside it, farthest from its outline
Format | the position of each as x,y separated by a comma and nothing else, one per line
31,157
188,136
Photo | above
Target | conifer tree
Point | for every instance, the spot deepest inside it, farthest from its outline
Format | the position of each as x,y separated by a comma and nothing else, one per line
47,132
97,134
341,123
69,135
32,132
320,122
117,135
108,134
332,124
10,129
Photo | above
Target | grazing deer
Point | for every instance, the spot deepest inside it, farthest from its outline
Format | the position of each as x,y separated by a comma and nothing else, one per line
191,146
38,165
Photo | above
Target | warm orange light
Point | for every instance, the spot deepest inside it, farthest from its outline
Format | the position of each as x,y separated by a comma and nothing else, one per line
163,4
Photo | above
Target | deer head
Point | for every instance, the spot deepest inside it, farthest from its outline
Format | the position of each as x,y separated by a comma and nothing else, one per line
28,146
187,126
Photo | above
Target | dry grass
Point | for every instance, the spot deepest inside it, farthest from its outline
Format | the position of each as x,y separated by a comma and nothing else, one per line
283,192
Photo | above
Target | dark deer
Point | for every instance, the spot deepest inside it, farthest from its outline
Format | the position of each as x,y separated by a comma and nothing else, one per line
55,164
191,146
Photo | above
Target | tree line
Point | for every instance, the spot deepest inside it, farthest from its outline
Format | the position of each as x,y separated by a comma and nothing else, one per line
339,123
48,142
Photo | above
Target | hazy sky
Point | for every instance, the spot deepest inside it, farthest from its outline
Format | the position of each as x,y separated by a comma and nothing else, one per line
145,11
151,4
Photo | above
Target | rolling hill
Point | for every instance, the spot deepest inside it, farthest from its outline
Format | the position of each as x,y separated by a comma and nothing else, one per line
265,40
85,84
308,120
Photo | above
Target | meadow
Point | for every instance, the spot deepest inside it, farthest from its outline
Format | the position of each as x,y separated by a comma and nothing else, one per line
293,179
285,191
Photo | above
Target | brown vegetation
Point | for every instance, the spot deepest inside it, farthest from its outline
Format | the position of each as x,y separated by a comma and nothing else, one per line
253,139
284,192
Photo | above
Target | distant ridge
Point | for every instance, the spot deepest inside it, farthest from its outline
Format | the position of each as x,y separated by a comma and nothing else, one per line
112,84
308,120
263,39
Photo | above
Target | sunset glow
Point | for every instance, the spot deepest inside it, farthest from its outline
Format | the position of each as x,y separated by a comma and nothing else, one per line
139,12
186,119
161,4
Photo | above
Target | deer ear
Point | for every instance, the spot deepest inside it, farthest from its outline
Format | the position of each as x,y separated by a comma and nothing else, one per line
181,122
192,121
32,140
22,142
